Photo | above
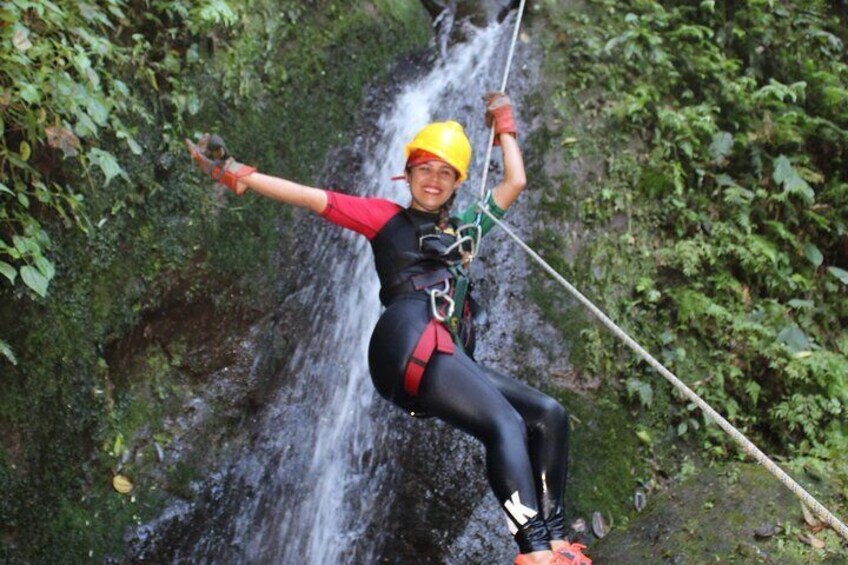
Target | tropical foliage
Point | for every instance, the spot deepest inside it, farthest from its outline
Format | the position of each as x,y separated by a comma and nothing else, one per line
103,221
720,219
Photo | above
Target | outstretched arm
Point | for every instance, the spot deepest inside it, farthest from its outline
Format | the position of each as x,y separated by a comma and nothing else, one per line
284,190
212,158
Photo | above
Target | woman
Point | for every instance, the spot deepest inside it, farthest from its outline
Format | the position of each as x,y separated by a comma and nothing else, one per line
421,351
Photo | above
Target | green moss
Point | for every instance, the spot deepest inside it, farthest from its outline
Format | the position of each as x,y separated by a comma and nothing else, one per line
711,518
181,476
606,458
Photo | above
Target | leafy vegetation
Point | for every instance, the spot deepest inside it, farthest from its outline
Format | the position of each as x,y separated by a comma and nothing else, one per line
103,221
718,219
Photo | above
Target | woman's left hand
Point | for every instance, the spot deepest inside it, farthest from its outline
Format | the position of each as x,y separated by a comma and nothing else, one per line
499,114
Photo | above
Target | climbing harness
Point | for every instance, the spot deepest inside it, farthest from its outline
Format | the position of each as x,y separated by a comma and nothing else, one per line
746,444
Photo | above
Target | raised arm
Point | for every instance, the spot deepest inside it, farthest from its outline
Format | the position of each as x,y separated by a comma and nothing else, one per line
499,114
514,179
211,156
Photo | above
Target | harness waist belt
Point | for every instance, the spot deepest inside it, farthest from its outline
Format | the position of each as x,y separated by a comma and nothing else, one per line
415,283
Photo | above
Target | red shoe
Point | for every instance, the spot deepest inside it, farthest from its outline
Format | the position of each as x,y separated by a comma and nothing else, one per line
521,559
571,554
212,158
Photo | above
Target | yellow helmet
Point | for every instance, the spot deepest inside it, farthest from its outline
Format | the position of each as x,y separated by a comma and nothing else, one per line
447,141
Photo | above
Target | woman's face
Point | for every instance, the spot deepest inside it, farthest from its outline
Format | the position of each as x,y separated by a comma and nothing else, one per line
431,184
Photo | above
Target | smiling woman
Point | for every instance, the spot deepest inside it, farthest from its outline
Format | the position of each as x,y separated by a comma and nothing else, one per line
421,354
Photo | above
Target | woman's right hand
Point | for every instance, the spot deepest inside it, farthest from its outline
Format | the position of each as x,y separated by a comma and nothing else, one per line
211,156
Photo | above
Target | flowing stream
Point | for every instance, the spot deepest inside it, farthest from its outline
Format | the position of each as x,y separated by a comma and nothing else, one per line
311,487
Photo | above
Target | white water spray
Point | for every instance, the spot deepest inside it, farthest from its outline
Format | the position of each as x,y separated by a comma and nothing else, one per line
343,498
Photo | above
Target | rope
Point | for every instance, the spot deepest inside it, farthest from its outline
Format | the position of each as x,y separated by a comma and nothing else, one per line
502,89
746,444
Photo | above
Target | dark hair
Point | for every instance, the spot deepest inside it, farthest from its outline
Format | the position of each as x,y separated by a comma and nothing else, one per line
444,212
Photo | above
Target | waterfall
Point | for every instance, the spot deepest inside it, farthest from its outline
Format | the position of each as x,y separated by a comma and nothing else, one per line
344,499
311,486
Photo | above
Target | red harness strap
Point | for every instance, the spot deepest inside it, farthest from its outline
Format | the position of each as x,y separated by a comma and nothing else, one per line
435,337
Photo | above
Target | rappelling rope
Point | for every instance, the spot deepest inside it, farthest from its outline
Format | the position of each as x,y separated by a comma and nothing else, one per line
740,438
746,444
502,89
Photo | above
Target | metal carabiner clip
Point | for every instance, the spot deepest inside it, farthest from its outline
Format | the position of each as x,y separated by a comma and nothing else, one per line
472,239
460,241
443,294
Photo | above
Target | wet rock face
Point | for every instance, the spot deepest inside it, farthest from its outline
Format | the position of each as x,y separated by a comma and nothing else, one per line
479,12
450,17
439,482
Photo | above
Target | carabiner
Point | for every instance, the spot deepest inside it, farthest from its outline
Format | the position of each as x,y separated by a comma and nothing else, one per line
443,294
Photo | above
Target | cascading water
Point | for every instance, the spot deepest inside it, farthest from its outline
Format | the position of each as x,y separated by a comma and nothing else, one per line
312,485
345,498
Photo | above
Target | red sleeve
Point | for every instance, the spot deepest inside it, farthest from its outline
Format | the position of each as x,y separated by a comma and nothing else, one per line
365,215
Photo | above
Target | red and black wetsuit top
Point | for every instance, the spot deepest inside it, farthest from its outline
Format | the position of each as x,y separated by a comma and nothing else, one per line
395,234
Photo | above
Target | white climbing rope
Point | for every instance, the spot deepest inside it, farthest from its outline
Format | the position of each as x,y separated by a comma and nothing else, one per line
502,89
746,444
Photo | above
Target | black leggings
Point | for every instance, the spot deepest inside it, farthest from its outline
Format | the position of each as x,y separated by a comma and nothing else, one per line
524,431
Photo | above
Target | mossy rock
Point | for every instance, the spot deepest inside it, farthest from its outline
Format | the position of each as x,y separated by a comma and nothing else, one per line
713,517
606,461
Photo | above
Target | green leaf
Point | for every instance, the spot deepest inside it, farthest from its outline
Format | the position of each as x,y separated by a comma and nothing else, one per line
134,146
840,274
8,271
35,280
753,389
645,437
30,93
7,352
45,266
794,338
812,253
97,109
721,146
786,175
643,389
107,163
85,125
26,245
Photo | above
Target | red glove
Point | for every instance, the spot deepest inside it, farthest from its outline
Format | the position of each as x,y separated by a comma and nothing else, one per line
211,156
499,112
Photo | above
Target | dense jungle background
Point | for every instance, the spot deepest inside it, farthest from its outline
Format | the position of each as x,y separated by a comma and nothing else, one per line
688,166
